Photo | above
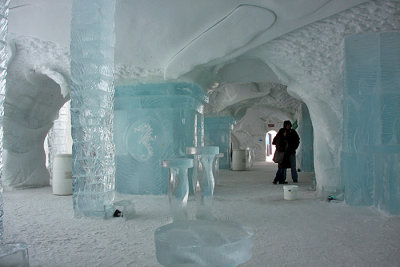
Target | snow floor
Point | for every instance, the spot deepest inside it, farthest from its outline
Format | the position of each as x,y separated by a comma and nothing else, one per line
302,232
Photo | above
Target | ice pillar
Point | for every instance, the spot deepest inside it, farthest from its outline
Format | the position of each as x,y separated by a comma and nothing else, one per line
217,132
92,93
4,8
306,151
371,121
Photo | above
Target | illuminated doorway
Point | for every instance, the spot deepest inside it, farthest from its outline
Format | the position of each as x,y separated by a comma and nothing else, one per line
269,148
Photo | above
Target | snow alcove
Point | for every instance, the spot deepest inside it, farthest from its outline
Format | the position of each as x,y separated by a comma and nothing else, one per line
147,79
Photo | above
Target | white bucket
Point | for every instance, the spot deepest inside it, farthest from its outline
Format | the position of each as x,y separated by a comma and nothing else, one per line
62,174
238,159
290,192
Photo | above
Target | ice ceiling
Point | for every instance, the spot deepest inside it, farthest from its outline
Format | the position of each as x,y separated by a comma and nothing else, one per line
257,60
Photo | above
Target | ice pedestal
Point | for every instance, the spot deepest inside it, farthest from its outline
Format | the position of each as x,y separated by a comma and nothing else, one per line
371,114
203,243
217,132
153,122
205,179
178,189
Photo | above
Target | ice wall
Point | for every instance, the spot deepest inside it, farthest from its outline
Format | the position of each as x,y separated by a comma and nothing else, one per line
305,152
311,60
4,5
371,121
37,87
92,98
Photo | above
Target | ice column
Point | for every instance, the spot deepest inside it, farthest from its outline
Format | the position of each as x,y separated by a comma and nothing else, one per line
92,94
371,121
217,132
306,151
4,5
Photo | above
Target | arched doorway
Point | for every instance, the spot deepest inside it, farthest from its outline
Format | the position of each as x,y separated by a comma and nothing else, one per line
269,148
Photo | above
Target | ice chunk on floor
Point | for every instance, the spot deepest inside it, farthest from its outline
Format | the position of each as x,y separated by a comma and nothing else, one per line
203,243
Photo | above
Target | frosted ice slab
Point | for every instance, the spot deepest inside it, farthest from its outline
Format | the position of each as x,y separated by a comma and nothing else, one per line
203,243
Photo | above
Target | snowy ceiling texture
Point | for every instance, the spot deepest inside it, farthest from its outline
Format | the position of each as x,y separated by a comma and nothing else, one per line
258,60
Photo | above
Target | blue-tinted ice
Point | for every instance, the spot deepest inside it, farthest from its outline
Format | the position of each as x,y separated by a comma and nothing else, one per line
92,91
153,122
371,121
217,132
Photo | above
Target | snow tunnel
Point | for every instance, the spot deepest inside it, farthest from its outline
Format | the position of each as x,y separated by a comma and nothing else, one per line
288,66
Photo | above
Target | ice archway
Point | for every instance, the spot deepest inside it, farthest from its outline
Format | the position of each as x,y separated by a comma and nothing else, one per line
37,87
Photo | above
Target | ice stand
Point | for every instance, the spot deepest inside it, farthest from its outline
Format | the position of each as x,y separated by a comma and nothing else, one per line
153,122
205,241
178,188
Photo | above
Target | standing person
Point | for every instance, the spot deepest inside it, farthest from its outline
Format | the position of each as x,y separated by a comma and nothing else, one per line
282,144
293,143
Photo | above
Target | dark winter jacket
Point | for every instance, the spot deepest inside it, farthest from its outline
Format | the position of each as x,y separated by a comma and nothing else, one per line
282,144
293,141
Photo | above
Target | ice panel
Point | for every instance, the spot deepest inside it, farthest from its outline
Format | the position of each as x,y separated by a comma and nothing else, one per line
387,181
371,121
357,177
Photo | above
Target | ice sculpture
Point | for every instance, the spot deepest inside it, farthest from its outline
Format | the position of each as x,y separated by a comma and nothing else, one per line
371,116
205,178
153,122
92,93
217,132
178,189
204,242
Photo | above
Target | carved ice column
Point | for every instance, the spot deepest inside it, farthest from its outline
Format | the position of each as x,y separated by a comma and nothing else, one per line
92,94
4,5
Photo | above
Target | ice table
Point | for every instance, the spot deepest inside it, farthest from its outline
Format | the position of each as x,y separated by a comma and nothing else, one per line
203,243
178,188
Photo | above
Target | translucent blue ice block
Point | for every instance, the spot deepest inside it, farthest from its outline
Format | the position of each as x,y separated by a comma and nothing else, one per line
371,115
217,132
153,122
